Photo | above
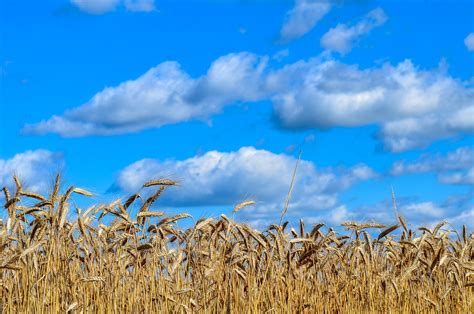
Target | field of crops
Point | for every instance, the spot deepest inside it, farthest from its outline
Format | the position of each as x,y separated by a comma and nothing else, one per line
57,258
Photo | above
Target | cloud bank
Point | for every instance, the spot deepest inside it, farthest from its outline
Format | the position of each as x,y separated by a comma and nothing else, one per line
413,107
227,178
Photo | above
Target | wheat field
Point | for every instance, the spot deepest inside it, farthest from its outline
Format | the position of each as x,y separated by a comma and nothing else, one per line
57,258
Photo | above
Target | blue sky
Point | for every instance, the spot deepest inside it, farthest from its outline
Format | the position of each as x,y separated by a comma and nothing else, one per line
222,95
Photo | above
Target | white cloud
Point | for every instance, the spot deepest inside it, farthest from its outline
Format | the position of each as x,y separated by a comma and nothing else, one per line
96,6
226,178
35,169
339,214
465,217
163,95
469,42
457,210
423,208
413,107
460,159
456,167
416,213
140,5
342,37
280,55
303,17
334,217
309,138
466,177
105,6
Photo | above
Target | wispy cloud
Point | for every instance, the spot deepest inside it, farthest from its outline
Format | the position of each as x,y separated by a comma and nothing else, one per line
425,209
342,37
104,6
466,177
302,18
456,167
469,42
333,217
36,169
140,5
456,209
96,6
281,54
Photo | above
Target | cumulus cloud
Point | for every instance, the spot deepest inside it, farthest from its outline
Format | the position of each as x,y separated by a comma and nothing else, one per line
163,95
104,6
413,107
36,169
226,178
303,17
455,167
469,42
342,37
